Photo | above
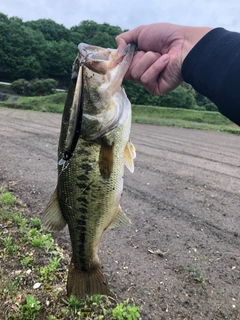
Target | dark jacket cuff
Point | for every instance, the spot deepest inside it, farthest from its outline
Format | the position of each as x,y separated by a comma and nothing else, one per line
212,67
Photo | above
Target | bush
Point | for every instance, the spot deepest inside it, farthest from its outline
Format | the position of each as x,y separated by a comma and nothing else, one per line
19,86
35,87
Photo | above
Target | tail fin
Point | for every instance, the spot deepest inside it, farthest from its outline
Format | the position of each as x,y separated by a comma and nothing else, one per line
90,282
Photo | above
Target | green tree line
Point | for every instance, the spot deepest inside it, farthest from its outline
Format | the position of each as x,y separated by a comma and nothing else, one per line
44,49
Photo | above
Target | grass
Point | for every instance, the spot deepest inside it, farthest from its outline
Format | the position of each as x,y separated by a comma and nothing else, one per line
33,272
184,118
51,103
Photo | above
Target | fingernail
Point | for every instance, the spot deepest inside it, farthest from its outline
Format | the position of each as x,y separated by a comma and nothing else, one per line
164,58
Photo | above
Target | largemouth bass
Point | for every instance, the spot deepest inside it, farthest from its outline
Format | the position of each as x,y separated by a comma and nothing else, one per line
93,147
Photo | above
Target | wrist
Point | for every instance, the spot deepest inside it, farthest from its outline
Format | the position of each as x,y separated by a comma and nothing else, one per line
192,36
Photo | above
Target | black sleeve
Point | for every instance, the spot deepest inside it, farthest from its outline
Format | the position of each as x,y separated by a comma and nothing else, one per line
212,67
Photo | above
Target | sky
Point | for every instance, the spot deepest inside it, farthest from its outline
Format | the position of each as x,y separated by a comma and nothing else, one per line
128,14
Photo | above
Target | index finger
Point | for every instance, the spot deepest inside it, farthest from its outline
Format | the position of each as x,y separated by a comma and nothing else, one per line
121,43
128,37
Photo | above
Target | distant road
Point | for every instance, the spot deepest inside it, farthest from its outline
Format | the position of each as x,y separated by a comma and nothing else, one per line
8,84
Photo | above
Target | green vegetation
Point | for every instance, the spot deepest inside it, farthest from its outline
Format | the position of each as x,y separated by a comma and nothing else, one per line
46,49
190,119
196,273
35,87
182,114
30,309
125,311
51,103
33,274
194,270
179,117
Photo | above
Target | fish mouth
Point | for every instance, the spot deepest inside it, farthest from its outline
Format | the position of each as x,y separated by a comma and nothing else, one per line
101,60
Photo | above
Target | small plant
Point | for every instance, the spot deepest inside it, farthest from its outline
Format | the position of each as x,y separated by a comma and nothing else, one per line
27,261
73,303
196,273
93,307
36,223
8,199
22,225
96,299
10,287
37,242
16,218
33,232
125,311
51,317
48,273
30,309
9,246
43,241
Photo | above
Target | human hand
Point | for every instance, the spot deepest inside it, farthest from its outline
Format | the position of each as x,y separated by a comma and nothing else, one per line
162,49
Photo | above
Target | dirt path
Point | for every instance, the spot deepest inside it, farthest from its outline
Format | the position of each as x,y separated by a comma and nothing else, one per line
183,199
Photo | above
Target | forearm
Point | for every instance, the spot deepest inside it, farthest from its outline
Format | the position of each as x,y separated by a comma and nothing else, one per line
212,67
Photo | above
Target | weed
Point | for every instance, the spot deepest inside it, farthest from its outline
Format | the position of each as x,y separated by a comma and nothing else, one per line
36,223
27,261
196,273
30,309
16,218
9,246
10,287
96,299
37,242
51,317
125,311
43,241
33,232
73,303
22,225
94,307
7,198
48,273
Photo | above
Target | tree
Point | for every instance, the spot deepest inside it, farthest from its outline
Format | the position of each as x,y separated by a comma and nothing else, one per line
93,33
205,103
22,51
51,30
60,57
3,17
178,98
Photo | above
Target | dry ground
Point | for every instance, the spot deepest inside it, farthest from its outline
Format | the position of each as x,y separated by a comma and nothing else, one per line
183,200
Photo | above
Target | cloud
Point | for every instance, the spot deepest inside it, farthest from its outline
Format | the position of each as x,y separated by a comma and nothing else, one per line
129,14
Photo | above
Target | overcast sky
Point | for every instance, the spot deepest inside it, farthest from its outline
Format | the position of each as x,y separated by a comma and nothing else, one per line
128,14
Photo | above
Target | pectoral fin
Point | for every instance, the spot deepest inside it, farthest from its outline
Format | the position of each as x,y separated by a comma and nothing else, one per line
121,220
53,219
106,159
129,155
